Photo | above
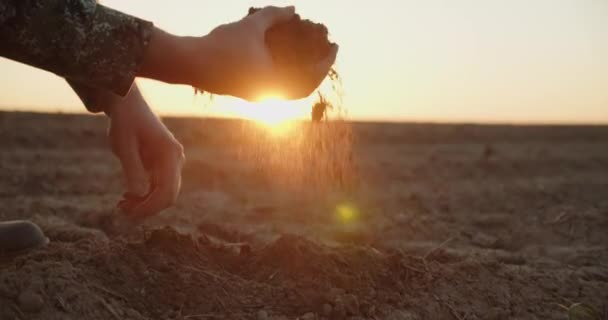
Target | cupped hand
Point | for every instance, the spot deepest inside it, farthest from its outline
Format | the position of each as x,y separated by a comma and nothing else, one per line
151,158
234,60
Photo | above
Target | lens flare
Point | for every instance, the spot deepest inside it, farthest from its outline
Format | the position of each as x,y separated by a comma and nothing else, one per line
346,213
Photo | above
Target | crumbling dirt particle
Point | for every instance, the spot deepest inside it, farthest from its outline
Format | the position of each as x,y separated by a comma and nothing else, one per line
510,258
401,315
368,309
30,301
334,293
167,239
133,314
351,304
581,311
339,309
309,316
485,241
372,293
262,315
327,309
319,109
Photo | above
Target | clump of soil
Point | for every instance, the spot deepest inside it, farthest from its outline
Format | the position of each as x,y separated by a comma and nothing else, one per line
319,109
296,45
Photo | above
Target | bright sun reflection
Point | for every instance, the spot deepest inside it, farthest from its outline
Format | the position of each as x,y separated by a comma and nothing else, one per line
272,112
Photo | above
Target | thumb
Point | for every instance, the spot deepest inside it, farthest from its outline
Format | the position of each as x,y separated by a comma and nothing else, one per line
271,15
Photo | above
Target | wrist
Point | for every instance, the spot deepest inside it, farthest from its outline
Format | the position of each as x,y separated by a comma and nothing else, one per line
167,58
132,103
199,60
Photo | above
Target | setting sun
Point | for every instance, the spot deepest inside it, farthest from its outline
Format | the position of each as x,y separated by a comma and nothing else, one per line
271,111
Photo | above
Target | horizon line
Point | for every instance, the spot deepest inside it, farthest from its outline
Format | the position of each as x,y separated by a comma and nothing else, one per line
404,120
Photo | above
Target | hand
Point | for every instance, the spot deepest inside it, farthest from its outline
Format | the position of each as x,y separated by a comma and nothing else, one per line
150,156
231,60
240,63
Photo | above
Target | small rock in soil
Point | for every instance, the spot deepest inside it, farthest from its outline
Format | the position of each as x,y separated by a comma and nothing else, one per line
351,304
334,293
485,241
262,315
309,316
368,309
401,315
510,258
30,301
583,312
594,274
133,314
327,309
339,309
372,293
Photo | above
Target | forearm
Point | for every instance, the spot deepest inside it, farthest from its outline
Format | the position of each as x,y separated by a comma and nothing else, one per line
166,58
179,60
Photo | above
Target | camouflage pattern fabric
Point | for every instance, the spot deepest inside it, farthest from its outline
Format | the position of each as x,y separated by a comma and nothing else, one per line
97,49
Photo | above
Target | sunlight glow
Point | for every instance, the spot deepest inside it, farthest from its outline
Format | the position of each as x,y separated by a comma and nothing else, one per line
272,112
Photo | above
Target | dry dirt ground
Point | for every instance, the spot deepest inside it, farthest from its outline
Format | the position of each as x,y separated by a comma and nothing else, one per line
446,222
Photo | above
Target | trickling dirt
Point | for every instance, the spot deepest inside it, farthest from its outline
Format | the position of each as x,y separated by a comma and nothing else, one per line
319,108
438,228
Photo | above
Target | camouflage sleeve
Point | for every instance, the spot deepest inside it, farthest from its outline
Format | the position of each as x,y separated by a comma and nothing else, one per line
94,99
92,46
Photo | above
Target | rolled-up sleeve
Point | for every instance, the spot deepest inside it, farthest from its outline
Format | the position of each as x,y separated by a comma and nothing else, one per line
80,40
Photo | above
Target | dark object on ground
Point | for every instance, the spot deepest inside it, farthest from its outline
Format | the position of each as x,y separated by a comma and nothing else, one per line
488,152
297,45
319,109
20,235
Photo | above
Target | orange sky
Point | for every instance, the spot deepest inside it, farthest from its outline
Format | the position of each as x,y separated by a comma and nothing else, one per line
466,60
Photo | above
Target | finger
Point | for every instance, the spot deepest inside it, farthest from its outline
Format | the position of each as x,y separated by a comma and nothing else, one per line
270,16
167,183
133,169
129,201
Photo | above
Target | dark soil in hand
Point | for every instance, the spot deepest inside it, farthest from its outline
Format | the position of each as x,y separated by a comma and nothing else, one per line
297,43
